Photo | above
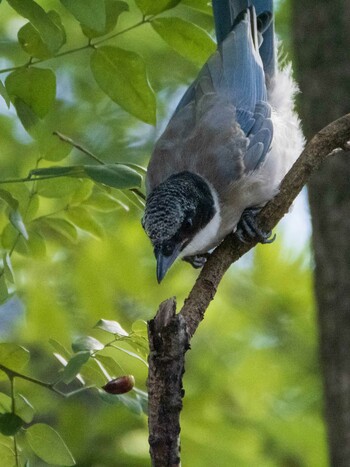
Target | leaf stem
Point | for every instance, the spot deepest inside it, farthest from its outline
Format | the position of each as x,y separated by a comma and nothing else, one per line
78,146
89,45
14,374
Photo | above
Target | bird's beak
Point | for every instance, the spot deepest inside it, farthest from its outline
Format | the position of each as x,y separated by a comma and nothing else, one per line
164,262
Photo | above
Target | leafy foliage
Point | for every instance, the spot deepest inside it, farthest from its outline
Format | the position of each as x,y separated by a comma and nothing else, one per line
77,274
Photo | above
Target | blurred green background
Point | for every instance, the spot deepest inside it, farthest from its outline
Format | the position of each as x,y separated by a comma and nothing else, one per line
252,382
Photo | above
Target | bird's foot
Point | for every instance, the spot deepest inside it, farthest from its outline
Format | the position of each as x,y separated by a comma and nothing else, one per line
247,228
197,261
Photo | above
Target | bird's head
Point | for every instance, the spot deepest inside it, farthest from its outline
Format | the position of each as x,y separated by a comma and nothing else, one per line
176,210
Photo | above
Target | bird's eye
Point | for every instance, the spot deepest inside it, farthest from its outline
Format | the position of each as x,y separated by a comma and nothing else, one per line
167,250
188,223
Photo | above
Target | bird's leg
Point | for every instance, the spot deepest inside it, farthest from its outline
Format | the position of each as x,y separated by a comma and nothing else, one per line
247,228
197,261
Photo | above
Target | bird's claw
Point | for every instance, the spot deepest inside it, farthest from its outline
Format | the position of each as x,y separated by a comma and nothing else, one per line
248,230
197,261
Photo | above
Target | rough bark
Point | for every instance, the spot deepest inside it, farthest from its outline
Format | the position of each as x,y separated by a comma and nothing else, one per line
170,333
321,31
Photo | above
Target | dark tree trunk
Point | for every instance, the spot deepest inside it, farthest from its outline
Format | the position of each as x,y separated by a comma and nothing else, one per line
321,30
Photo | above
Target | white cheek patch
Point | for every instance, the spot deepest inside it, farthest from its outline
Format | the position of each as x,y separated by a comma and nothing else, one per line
207,237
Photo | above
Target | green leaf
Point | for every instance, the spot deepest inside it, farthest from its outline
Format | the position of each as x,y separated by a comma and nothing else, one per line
104,203
131,354
36,87
48,445
14,215
201,5
74,365
24,408
115,399
32,42
109,364
17,221
90,13
9,273
58,171
4,95
114,175
140,327
10,423
121,74
61,226
60,348
114,8
13,356
83,219
50,33
7,456
5,403
9,199
152,7
4,293
58,188
27,116
87,343
110,326
139,343
187,39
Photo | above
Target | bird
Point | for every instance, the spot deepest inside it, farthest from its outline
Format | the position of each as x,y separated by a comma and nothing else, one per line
228,145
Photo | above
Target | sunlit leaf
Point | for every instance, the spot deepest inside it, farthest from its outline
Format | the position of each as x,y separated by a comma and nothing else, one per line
4,95
36,244
109,364
4,293
61,226
32,42
36,87
152,7
87,343
114,8
121,74
131,403
131,354
114,175
10,423
9,199
84,220
53,149
58,188
58,171
27,116
201,5
139,343
24,408
90,13
104,203
5,403
8,270
93,373
140,327
13,356
17,221
74,365
48,445
7,455
110,326
187,39
60,348
50,33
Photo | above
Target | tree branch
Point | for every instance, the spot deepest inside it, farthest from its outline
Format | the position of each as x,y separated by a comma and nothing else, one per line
170,333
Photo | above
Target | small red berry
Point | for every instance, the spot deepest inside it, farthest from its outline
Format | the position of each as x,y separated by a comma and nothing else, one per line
120,385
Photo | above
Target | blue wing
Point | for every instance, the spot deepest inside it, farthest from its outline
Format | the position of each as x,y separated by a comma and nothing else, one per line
236,72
